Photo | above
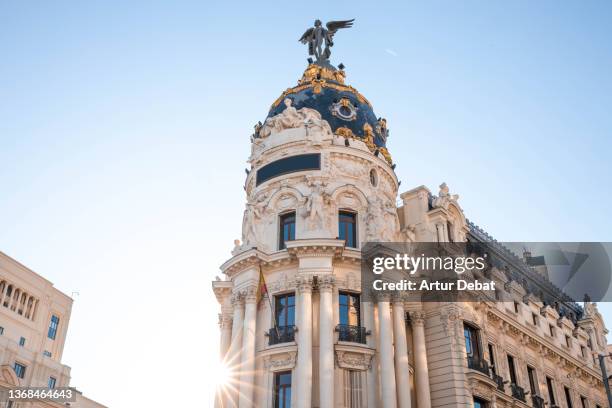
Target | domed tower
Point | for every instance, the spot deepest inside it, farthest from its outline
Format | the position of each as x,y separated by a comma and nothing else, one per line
321,184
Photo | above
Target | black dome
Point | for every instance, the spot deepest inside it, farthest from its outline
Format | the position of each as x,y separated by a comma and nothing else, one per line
348,113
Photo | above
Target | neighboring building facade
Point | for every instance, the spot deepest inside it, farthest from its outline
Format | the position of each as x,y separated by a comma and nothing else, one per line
34,319
321,184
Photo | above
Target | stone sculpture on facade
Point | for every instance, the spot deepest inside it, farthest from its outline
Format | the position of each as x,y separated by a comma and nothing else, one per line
314,211
252,215
444,197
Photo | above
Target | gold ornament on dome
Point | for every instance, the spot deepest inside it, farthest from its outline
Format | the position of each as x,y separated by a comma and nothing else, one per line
317,72
345,132
317,77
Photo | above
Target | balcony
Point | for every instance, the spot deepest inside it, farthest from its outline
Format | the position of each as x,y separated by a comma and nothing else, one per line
478,364
281,334
499,381
518,392
538,402
351,334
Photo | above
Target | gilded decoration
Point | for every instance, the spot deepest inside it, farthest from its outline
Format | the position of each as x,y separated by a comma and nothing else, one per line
314,71
319,84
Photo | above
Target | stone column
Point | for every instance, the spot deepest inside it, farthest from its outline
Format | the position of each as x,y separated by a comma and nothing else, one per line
225,322
233,357
247,369
303,369
421,371
326,341
387,380
367,310
402,373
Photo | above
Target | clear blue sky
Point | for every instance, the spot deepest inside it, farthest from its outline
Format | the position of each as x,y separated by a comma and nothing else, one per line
124,131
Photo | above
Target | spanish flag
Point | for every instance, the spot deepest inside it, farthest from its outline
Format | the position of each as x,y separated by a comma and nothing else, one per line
262,289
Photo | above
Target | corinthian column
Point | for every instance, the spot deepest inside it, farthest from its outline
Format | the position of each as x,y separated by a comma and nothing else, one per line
386,354
367,311
421,371
326,342
303,368
401,354
233,357
247,369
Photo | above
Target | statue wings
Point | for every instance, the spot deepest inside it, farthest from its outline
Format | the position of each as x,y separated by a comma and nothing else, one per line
334,26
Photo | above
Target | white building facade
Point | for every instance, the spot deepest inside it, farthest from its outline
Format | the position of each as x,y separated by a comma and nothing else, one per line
321,184
34,319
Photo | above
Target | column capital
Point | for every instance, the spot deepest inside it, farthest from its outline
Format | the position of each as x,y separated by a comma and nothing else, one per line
381,297
303,283
237,300
417,317
326,282
398,298
250,294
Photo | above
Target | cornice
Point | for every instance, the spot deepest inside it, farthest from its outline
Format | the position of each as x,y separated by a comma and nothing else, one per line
315,247
543,345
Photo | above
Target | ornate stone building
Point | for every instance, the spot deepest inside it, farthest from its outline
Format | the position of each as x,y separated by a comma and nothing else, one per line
321,184
34,318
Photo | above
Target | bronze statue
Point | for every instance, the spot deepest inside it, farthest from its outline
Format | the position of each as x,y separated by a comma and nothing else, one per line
315,36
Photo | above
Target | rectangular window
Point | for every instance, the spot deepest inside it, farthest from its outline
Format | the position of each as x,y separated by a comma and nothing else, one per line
568,397
1,330
472,344
551,330
584,402
480,403
551,392
349,309
516,307
347,228
449,227
534,319
568,341
22,341
282,389
511,369
20,370
284,309
492,359
533,380
47,353
52,382
353,396
583,351
53,327
287,229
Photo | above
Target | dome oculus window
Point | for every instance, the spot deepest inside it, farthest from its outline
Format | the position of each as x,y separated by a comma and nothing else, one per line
344,110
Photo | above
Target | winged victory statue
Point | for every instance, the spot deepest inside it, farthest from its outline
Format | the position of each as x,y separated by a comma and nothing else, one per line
317,35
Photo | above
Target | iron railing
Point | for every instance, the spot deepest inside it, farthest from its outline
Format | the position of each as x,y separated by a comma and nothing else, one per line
499,380
353,334
479,364
281,334
538,402
517,392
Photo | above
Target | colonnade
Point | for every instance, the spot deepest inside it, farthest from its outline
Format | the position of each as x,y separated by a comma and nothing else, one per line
392,388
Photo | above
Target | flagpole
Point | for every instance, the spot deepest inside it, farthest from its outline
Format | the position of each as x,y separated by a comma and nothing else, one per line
263,279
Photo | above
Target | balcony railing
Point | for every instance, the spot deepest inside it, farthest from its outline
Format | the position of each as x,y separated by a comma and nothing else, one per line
353,334
499,380
517,392
281,334
478,364
538,402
